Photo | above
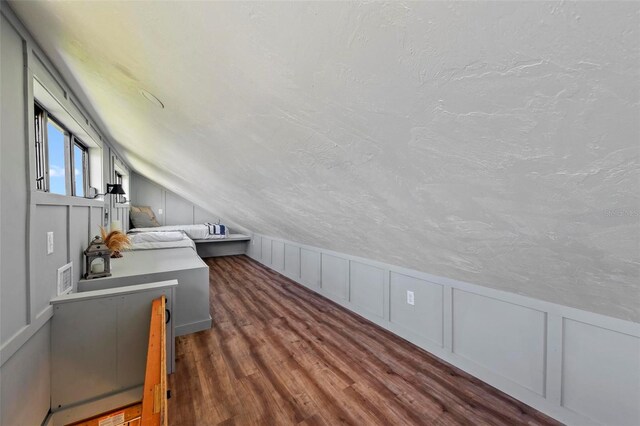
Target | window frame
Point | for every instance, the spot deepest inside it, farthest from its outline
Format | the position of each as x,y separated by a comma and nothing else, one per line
42,117
41,152
76,142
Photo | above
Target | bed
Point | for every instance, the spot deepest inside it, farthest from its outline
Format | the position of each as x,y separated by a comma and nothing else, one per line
160,240
143,220
195,232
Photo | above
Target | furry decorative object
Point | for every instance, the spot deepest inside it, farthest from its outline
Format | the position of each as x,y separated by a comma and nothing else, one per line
115,241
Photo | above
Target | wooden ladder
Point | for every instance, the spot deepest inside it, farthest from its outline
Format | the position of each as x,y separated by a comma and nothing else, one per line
152,409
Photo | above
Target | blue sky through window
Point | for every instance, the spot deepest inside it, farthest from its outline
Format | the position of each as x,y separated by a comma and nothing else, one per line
55,142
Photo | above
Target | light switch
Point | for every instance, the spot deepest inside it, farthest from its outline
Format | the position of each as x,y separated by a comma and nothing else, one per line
159,211
49,242
410,298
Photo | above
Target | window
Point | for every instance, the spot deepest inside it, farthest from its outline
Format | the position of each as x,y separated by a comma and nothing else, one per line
62,160
56,137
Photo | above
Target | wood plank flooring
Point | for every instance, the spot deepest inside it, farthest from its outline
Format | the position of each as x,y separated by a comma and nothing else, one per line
278,354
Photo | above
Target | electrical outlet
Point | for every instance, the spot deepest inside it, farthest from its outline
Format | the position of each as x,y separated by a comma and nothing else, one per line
410,298
159,211
49,242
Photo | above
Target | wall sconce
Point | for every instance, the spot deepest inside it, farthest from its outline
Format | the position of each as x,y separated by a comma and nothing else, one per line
113,189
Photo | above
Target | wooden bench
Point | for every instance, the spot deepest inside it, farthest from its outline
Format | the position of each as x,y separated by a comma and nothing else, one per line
152,409
232,245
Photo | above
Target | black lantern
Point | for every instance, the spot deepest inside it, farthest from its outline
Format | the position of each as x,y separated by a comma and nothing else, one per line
97,260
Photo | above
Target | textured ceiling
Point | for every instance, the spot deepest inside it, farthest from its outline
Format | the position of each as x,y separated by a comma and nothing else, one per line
495,143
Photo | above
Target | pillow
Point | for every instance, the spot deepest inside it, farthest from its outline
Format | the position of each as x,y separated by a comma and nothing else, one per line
144,209
142,217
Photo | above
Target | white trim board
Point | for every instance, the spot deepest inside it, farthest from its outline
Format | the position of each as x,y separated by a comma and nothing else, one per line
527,348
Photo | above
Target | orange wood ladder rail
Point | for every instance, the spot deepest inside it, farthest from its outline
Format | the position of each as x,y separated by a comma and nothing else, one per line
152,410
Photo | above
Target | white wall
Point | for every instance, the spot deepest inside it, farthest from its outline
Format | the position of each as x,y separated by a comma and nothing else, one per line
579,367
28,274
490,142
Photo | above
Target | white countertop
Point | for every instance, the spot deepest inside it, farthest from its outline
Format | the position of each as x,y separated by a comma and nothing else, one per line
152,261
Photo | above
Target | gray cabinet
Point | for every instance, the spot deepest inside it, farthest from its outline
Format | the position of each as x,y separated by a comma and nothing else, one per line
99,341
191,304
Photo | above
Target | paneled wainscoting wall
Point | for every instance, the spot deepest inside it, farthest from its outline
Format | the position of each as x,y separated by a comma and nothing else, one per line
29,273
579,367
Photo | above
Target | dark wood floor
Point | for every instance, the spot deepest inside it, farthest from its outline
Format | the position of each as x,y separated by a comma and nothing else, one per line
279,354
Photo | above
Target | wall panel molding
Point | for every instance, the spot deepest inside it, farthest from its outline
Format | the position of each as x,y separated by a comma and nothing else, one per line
596,367
367,287
24,346
292,261
528,348
277,256
22,336
266,254
34,65
309,268
502,337
334,275
426,317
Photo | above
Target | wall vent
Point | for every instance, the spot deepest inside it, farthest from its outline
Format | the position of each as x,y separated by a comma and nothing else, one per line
65,279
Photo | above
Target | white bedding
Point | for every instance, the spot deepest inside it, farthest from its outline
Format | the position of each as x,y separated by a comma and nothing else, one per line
152,237
195,232
149,241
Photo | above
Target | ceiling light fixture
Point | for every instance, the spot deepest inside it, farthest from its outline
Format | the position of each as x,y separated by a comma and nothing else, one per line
151,98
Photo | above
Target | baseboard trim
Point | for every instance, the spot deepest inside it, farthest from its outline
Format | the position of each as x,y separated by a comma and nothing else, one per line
193,327
87,409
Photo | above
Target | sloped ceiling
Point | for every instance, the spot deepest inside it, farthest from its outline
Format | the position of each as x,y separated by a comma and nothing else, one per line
495,143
